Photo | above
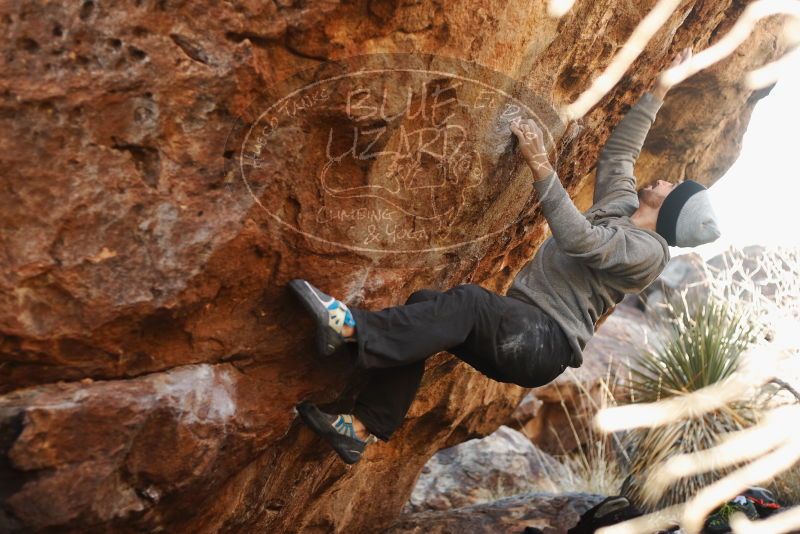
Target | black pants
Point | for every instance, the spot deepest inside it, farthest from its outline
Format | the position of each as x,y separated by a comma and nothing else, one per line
504,338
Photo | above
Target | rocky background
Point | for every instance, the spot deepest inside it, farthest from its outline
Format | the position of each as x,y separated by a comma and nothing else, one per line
150,355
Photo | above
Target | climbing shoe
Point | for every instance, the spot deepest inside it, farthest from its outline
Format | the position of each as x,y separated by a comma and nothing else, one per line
763,500
610,511
330,316
337,430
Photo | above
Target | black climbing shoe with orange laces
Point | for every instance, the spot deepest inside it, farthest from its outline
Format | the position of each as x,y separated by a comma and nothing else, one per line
337,430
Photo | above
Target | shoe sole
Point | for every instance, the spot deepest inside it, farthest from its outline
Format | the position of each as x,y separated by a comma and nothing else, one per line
326,339
345,447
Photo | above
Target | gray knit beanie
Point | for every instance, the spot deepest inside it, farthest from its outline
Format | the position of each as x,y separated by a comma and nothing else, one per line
686,218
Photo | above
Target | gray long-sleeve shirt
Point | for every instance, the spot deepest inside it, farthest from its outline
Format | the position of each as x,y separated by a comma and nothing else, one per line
594,258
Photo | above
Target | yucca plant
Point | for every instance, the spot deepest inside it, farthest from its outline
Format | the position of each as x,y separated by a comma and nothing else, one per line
695,350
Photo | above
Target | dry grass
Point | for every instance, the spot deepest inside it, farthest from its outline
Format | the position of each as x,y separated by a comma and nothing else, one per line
596,467
786,486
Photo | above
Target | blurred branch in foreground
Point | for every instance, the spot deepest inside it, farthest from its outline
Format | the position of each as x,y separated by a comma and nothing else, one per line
655,20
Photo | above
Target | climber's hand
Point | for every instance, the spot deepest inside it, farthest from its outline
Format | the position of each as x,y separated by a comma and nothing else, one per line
662,86
531,144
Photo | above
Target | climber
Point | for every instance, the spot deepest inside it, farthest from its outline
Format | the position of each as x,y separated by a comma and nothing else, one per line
530,335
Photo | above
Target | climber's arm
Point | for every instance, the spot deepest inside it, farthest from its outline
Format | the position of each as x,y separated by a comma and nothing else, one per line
573,233
615,177
610,249
629,254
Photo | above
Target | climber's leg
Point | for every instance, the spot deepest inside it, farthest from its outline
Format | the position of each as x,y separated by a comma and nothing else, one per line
379,417
520,345
383,402
406,334
530,348
504,338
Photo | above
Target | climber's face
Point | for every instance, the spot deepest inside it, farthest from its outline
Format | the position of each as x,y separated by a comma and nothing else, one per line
654,194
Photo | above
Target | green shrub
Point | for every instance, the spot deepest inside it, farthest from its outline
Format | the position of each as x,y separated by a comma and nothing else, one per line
696,350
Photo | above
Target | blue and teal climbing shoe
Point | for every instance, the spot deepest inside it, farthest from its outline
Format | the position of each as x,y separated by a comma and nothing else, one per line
337,430
330,316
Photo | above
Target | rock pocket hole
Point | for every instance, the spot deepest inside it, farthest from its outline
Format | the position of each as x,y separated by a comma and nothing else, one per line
147,160
137,54
86,10
28,44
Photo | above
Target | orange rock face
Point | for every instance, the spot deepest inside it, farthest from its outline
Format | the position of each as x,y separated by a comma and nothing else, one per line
150,356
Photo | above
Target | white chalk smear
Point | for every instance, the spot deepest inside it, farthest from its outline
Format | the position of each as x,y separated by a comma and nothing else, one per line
199,393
